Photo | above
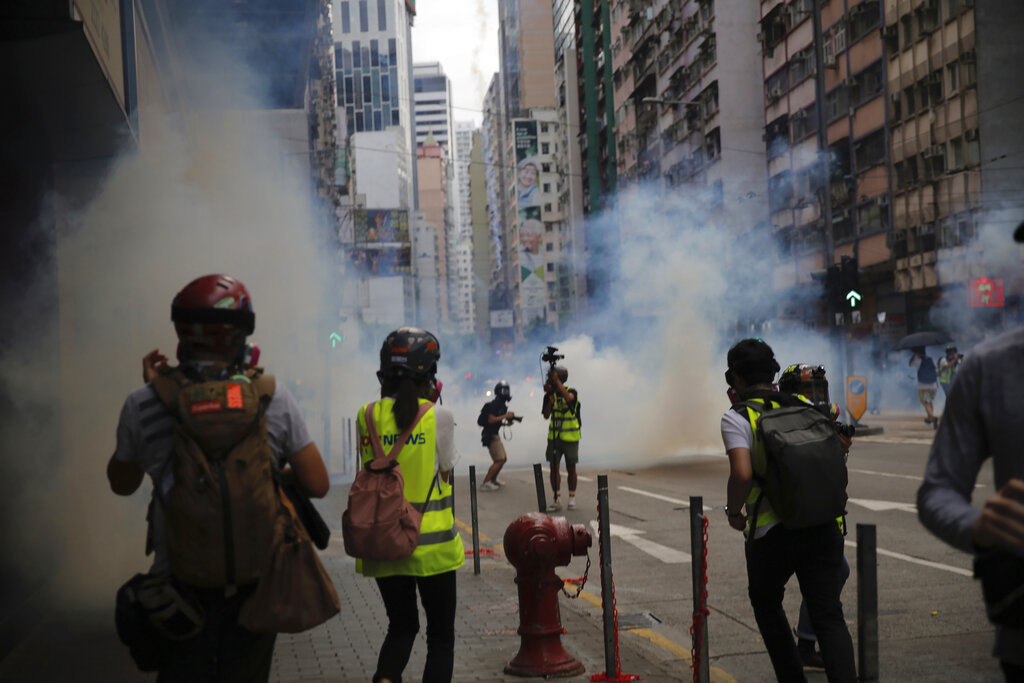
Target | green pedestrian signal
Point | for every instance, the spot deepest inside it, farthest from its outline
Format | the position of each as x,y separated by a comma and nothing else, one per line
853,296
335,339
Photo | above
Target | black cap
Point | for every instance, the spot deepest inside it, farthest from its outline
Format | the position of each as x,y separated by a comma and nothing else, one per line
753,360
1018,234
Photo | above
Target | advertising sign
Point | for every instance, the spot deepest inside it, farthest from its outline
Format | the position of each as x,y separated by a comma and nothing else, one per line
532,289
856,396
380,226
502,318
985,293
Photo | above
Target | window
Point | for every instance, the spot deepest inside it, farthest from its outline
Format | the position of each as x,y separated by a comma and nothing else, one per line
956,154
374,55
777,85
973,151
547,207
870,150
549,247
551,267
548,227
367,90
382,15
545,168
909,100
713,144
867,84
392,52
346,25
863,18
871,218
837,103
804,123
933,83
356,56
377,123
545,148
547,187
543,128
364,21
385,91
394,117
952,78
349,95
950,8
907,22
359,121
895,107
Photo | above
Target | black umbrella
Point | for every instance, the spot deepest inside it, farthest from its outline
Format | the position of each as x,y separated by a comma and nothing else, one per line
912,341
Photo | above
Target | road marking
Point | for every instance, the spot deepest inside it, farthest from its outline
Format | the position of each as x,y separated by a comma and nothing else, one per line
582,478
655,550
886,474
884,505
917,560
469,530
655,495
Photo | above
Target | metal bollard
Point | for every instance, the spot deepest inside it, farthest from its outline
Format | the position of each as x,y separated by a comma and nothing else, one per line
607,599
700,631
867,602
476,527
538,477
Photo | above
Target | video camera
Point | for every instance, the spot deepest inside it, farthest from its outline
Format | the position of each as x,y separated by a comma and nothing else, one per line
517,418
844,429
551,357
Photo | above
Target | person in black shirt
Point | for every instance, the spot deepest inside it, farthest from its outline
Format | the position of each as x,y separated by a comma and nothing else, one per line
493,415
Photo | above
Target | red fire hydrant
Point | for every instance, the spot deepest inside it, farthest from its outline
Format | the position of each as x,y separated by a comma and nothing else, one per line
535,544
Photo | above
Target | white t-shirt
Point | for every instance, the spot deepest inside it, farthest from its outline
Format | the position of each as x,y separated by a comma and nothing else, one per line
736,433
145,436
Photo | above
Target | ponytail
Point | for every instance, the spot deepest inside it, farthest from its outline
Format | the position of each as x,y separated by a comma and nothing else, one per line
407,392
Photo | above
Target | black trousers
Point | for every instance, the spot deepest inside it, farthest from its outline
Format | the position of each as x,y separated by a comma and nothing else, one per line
223,651
815,555
437,593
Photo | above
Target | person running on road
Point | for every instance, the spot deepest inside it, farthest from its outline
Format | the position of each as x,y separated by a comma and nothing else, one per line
562,408
493,415
926,383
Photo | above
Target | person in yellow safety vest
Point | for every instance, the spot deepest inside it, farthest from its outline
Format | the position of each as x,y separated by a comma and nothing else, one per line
808,383
562,408
774,552
408,365
948,365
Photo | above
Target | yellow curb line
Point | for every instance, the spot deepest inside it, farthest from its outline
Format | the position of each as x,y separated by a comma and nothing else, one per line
717,675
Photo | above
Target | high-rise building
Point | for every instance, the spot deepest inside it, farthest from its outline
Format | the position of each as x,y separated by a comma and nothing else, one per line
955,110
494,161
527,55
434,206
463,294
481,238
825,138
432,99
373,58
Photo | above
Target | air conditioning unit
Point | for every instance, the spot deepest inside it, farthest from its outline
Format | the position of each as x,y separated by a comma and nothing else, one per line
933,151
775,92
971,134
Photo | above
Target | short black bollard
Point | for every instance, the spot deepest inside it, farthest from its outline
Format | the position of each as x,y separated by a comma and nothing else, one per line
607,597
867,602
538,477
476,529
699,572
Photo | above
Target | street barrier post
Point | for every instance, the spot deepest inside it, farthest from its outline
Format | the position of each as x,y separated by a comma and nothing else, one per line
473,515
699,629
538,478
607,598
867,602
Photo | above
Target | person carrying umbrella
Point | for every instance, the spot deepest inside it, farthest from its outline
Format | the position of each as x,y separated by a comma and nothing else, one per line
927,379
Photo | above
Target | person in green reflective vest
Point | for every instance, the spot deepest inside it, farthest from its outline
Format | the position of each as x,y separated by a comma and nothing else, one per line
408,365
561,407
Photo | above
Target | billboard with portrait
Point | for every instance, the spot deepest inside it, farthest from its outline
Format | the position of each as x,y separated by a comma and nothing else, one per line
380,226
532,289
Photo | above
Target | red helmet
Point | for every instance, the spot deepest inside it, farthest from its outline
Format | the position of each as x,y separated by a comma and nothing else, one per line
213,314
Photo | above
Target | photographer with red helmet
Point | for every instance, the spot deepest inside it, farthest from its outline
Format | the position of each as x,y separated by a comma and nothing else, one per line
561,406
211,414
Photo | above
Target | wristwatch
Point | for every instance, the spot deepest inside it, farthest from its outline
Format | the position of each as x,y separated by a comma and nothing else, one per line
730,515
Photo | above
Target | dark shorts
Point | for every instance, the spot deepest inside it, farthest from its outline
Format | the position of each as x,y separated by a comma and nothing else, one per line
557,448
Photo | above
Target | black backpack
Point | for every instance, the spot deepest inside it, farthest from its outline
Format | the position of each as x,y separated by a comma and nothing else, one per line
805,476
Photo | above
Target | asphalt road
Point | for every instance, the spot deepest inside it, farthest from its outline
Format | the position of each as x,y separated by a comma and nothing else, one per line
931,621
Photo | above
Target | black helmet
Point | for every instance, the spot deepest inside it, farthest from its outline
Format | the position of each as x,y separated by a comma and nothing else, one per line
753,360
950,348
502,389
409,351
807,380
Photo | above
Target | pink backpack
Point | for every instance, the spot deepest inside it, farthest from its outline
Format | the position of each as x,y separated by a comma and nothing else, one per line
380,524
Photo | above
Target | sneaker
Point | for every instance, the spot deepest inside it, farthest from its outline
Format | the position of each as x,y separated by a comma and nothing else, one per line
811,659
488,486
497,483
572,503
554,507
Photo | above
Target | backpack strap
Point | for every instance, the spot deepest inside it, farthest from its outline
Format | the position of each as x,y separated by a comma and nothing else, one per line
371,427
167,385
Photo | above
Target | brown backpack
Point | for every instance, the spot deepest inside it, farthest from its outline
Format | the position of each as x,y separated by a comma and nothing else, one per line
222,508
379,523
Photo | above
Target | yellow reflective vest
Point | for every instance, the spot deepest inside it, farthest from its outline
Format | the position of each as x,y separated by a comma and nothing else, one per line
564,425
440,548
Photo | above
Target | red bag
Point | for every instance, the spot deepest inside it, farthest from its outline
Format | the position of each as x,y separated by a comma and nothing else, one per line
380,524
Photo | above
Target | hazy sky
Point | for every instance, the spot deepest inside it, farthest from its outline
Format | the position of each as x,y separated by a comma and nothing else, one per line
463,36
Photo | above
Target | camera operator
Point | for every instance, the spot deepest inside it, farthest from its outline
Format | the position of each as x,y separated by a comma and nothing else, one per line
493,415
562,408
